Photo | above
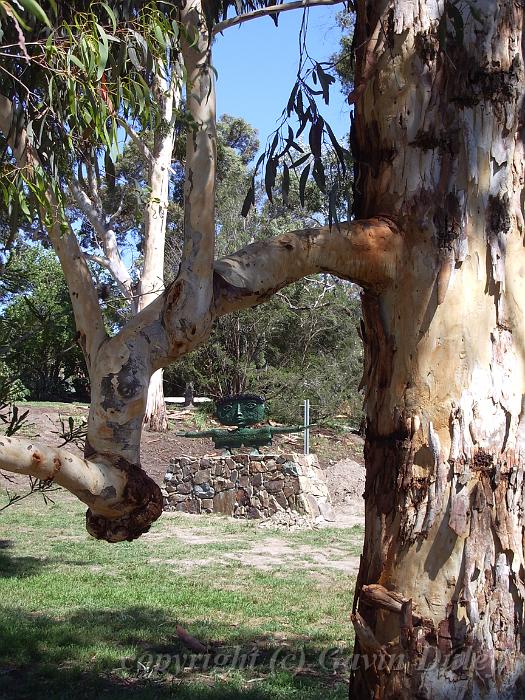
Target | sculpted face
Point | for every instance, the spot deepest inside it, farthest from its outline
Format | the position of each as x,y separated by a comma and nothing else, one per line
241,410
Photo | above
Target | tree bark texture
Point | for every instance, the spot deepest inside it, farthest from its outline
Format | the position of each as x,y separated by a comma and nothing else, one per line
151,284
438,140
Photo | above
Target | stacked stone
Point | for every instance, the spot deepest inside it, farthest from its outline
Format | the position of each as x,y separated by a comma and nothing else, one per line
248,486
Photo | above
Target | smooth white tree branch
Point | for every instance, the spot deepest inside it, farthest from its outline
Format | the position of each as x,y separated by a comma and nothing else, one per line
107,236
365,252
143,148
273,9
123,501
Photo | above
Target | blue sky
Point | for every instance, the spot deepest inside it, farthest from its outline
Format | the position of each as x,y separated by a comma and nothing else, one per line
257,64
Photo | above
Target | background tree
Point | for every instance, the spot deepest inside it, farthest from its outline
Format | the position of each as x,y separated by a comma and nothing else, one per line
37,329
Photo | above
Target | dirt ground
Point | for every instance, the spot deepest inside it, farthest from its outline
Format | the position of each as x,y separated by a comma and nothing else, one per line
340,455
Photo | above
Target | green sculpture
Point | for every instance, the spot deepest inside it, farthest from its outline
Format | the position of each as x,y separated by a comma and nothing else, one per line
241,411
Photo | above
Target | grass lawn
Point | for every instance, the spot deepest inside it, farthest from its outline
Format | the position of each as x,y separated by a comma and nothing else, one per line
85,619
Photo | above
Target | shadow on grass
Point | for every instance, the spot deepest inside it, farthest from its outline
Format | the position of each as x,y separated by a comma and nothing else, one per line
112,654
11,566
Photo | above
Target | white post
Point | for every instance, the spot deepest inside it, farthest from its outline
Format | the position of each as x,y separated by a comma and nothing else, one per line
306,428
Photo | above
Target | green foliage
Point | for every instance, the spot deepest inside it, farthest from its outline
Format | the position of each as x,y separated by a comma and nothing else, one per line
302,343
343,59
37,331
11,388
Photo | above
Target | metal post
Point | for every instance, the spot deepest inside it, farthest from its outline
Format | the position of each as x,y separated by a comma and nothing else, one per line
306,424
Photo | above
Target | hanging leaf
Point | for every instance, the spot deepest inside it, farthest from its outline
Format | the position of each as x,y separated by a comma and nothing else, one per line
319,176
291,100
315,136
325,79
274,144
299,108
34,8
286,183
337,148
304,121
269,177
332,207
301,160
111,15
110,170
134,58
103,51
249,200
302,183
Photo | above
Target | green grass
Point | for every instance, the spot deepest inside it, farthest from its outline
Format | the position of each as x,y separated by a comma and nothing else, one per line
76,615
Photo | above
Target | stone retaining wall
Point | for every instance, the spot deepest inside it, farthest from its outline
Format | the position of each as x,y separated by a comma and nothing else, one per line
248,486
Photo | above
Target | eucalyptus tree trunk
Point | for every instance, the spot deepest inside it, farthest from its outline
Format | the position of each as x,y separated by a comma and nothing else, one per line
438,140
151,283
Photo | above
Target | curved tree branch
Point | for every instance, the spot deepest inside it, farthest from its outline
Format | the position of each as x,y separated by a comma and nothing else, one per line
272,10
123,501
365,252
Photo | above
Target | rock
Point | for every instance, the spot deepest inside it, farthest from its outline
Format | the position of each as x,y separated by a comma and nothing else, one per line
326,511
253,513
202,476
177,497
242,497
281,500
204,491
274,485
274,504
224,502
220,468
221,484
313,505
258,467
253,486
291,487
290,469
193,506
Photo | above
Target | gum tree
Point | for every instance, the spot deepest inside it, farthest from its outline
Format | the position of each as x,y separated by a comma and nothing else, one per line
438,250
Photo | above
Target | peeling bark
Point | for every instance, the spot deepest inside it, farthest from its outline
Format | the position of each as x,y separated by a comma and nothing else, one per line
438,141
